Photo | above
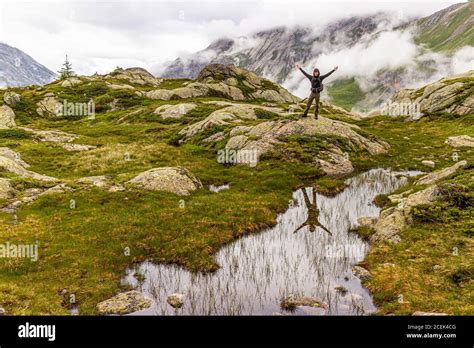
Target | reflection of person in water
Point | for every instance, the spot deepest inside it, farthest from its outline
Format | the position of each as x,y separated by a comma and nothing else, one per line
313,214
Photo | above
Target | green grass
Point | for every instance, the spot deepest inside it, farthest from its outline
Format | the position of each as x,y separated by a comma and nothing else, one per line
449,37
433,269
345,93
82,249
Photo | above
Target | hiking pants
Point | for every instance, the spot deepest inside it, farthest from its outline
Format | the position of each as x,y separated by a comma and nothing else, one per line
313,96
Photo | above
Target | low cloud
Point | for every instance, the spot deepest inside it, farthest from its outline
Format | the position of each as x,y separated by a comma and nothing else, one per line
99,35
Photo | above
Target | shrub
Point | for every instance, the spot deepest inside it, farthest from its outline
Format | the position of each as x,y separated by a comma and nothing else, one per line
457,195
15,134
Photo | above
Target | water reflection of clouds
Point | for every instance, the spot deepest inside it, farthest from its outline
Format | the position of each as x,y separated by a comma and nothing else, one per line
259,270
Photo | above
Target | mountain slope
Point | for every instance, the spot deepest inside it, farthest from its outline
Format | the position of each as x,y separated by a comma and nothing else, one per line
450,28
272,53
19,69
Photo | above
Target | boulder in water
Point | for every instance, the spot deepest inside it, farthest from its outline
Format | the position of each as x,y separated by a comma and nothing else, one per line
175,300
361,273
292,301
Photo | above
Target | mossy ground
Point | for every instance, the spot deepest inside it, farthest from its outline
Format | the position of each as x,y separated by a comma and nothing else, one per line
431,268
84,250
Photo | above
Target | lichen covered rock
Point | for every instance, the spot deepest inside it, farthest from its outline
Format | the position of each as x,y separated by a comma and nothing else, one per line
170,179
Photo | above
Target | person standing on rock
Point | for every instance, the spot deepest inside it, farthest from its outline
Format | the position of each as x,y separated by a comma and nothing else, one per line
316,88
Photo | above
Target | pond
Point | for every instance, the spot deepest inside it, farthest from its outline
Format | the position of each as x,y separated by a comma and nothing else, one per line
309,252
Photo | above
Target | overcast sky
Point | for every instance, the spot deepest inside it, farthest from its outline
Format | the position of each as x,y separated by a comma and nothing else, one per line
100,35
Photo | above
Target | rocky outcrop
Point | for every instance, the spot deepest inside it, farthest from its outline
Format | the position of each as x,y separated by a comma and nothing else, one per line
137,76
32,194
431,178
233,113
16,166
98,181
266,135
7,117
170,179
11,98
62,139
428,163
49,106
14,156
361,273
6,189
174,111
217,80
394,219
124,303
255,86
460,141
454,95
71,82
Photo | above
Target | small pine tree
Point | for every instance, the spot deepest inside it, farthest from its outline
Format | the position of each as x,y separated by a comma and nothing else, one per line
66,71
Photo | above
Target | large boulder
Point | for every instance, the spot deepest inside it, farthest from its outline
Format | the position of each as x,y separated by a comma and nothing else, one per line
71,82
14,156
361,273
219,117
453,94
170,179
137,76
50,106
124,303
460,141
431,178
394,219
264,136
7,117
13,166
227,81
11,98
292,301
6,189
175,300
159,94
174,111
230,79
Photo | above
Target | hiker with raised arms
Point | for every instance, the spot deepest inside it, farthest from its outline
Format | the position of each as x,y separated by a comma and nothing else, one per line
316,88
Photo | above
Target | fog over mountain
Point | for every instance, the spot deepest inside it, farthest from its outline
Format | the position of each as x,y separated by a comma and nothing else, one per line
377,54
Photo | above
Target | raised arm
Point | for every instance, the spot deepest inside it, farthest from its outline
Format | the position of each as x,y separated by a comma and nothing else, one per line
329,73
304,72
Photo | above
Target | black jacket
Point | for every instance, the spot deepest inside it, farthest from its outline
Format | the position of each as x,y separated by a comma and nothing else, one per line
316,82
